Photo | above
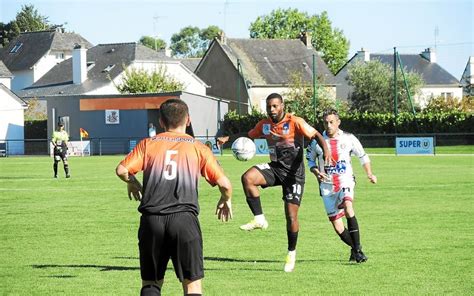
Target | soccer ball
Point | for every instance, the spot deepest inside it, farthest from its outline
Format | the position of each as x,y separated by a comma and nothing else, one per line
243,149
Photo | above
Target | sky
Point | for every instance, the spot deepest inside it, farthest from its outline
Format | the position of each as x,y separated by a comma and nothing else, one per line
377,26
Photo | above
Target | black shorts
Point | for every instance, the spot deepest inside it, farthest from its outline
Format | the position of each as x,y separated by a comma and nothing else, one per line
176,236
60,154
292,184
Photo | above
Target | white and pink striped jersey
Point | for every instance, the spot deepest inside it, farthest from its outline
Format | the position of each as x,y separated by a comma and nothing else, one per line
341,147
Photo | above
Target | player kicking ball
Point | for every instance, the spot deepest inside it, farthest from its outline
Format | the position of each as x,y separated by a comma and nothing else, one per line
336,182
284,133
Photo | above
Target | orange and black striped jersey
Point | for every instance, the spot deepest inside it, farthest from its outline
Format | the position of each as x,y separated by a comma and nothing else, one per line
285,140
172,164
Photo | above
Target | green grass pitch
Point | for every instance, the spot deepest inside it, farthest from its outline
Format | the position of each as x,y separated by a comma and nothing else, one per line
78,236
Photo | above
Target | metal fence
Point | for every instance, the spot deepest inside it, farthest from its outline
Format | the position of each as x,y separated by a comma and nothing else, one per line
110,146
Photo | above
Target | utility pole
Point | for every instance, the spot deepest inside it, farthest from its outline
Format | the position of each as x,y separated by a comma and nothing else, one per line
395,90
315,86
155,33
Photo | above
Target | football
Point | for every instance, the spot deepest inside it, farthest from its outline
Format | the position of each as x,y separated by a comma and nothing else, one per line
243,149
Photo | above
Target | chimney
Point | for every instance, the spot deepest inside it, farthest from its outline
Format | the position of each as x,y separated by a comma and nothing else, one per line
364,55
429,54
222,38
306,38
471,70
167,51
79,65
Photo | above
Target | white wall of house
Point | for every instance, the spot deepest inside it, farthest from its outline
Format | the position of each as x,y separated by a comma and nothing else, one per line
7,81
109,89
22,79
26,78
192,83
259,95
429,92
11,123
46,63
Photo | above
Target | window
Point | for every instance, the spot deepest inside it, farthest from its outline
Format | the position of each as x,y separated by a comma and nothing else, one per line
16,48
90,65
447,95
60,56
108,68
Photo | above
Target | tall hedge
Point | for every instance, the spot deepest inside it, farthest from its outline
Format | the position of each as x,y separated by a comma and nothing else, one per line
374,123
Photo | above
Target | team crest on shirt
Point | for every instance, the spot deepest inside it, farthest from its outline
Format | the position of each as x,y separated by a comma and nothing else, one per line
266,129
286,128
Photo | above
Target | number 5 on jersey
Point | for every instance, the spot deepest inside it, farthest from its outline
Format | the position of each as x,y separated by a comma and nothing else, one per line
171,167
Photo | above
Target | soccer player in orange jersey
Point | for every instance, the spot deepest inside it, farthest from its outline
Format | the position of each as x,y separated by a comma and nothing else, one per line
172,162
285,134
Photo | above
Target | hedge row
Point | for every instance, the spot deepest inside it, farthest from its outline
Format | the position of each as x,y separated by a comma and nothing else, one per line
373,123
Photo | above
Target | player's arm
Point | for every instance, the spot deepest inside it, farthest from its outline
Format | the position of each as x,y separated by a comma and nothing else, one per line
134,187
214,175
364,159
312,155
310,132
224,205
53,140
256,132
368,170
322,143
127,169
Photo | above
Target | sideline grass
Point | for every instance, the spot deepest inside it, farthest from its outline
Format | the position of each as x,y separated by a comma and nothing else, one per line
78,236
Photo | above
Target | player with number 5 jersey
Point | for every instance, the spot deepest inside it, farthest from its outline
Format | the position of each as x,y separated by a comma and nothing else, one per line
172,163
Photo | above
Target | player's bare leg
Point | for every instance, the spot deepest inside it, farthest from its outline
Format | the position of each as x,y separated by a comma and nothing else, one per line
251,179
292,228
192,287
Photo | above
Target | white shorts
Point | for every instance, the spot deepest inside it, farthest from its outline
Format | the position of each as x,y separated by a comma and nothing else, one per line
333,201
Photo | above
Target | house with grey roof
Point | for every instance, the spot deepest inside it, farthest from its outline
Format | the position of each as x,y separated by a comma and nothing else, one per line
191,63
32,54
5,75
467,79
437,81
98,70
246,71
11,116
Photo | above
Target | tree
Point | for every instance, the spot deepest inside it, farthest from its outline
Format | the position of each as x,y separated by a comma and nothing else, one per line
27,20
373,87
153,43
449,104
193,42
299,100
36,110
143,81
291,23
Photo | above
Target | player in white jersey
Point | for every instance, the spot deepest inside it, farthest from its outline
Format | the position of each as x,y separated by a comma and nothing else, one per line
336,181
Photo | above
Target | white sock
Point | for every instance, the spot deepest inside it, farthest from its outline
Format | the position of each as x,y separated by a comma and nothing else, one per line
260,219
292,253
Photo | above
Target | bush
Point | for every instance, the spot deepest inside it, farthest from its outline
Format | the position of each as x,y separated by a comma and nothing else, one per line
373,123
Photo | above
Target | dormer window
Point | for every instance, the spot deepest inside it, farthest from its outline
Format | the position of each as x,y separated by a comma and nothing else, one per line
90,65
16,48
108,68
60,56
